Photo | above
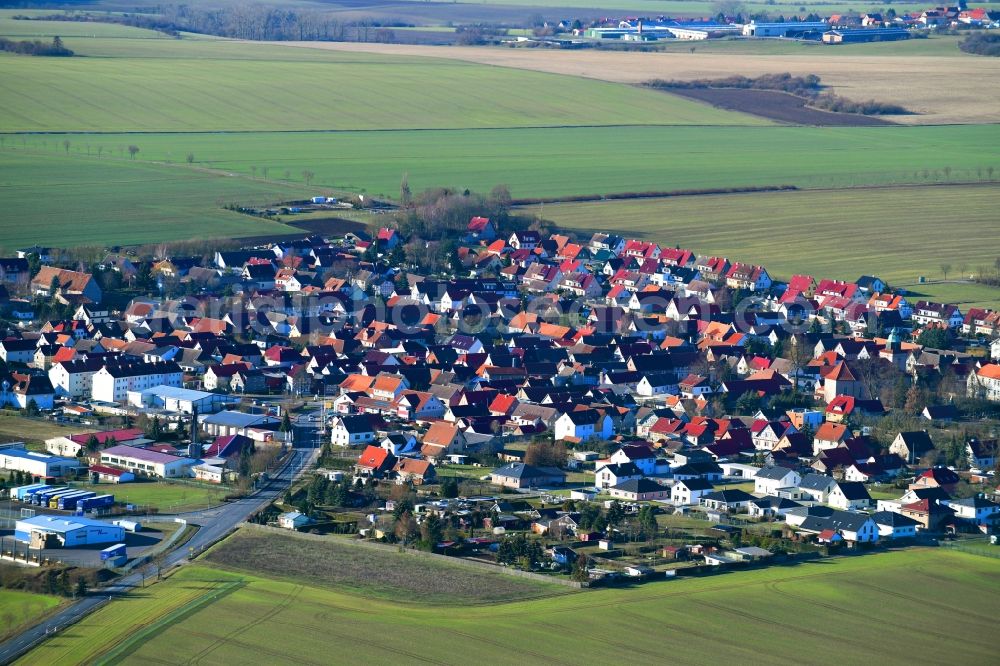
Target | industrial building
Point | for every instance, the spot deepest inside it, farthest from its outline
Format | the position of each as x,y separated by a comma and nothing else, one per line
42,465
789,29
180,400
863,35
143,462
58,532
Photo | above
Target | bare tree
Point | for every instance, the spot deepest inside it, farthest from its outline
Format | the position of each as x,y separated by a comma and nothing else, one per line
190,158
945,269
132,150
66,145
253,171
308,177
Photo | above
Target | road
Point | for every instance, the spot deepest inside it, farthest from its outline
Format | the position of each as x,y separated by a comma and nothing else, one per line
214,523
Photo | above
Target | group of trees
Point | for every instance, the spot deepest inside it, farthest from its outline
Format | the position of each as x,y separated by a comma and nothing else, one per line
61,582
981,43
545,454
35,47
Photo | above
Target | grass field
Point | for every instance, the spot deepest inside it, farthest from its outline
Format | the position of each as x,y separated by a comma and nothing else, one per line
33,432
336,562
163,495
917,606
18,609
895,233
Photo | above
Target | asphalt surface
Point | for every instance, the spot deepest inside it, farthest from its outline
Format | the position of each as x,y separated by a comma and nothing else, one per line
214,524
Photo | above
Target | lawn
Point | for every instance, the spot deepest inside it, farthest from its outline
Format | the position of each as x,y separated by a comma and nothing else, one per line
18,609
916,606
384,574
896,233
166,496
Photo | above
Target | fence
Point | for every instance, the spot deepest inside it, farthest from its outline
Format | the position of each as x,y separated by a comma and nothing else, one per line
981,547
483,566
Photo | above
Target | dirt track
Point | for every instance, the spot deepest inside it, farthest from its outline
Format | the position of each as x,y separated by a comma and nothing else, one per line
941,90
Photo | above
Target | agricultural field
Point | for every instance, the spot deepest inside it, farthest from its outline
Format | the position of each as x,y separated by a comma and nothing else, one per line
165,496
339,91
72,200
826,233
937,89
19,609
338,563
906,607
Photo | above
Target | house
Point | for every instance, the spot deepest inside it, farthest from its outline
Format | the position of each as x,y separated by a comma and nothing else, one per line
690,491
911,446
978,510
931,515
981,454
18,351
770,507
607,476
417,472
641,455
70,286
480,229
521,475
893,525
850,495
441,439
940,413
943,314
936,477
293,520
830,436
728,501
353,430
847,525
583,424
375,461
770,479
637,490
817,487
985,383
24,389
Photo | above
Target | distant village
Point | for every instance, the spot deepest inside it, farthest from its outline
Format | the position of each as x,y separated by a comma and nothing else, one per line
571,398
843,28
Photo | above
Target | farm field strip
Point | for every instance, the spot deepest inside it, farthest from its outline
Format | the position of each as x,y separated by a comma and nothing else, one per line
827,233
914,606
940,90
19,609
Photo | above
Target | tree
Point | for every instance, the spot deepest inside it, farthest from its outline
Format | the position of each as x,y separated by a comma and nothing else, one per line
935,338
93,444
286,423
431,531
449,488
57,43
308,176
748,403
616,514
405,195
406,527
190,158
915,400
66,145
945,269
647,521
81,587
132,150
154,430
580,569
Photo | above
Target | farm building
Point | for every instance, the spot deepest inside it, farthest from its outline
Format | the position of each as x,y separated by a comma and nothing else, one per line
43,465
862,35
144,462
258,427
55,532
180,400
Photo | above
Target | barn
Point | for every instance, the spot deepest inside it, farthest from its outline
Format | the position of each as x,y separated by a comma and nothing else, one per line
59,532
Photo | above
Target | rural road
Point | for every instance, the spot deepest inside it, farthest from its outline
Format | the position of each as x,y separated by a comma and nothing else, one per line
214,523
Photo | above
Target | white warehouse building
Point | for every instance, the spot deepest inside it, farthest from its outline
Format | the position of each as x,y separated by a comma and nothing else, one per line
42,531
43,465
179,400
112,383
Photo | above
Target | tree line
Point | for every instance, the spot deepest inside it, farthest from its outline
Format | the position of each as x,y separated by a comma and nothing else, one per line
36,47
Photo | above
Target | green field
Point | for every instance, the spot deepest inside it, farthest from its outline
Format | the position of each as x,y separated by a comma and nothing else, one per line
896,233
165,496
19,609
917,606
320,90
33,432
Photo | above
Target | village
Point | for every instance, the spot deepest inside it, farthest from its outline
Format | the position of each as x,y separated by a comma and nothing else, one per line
594,407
